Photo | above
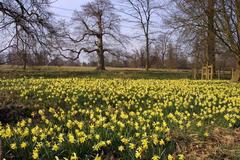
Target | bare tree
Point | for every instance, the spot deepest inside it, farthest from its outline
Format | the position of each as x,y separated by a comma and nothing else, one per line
23,21
194,20
142,12
161,47
139,56
228,28
216,21
98,29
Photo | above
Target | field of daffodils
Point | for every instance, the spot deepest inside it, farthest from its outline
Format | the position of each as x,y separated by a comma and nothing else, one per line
94,118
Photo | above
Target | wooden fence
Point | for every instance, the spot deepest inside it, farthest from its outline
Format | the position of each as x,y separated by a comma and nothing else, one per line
207,73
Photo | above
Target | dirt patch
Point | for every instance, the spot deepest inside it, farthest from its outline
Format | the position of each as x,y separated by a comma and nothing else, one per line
221,144
12,113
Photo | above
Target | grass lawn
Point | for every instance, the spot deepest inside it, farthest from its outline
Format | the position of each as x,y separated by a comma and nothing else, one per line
67,72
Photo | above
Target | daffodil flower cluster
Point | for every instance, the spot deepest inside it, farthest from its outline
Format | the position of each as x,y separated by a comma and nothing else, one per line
129,119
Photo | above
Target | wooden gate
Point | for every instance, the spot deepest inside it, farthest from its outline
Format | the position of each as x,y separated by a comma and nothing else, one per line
207,72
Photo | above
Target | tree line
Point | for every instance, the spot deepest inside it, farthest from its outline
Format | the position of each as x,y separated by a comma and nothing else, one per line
169,34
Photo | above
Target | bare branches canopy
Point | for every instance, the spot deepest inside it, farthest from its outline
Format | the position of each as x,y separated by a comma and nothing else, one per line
142,12
25,24
206,28
96,30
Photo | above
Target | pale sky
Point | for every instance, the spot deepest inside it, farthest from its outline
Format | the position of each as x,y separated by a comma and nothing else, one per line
63,9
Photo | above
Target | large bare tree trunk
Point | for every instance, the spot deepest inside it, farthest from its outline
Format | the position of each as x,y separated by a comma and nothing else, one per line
163,60
211,35
236,74
147,54
24,60
141,59
24,65
101,62
100,53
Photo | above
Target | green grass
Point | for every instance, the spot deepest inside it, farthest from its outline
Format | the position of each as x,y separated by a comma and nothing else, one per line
68,72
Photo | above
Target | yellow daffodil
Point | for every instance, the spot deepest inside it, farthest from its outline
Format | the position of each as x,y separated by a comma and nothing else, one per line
13,146
23,145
